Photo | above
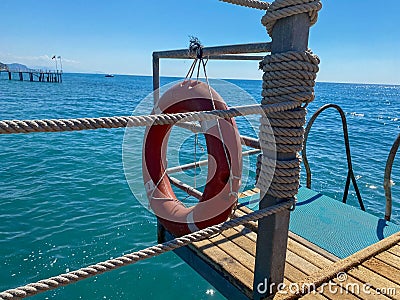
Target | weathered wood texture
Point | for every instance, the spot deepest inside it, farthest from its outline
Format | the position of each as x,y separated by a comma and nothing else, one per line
231,254
375,278
227,260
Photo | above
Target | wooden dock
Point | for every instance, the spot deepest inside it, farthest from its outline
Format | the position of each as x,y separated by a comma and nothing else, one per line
34,75
227,261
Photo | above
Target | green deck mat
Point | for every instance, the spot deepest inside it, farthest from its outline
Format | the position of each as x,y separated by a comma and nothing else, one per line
339,228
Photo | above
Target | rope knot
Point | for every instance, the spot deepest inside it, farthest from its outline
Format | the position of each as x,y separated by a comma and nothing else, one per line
195,47
280,9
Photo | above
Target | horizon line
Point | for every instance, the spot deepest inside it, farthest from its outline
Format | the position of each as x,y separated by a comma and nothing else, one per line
252,79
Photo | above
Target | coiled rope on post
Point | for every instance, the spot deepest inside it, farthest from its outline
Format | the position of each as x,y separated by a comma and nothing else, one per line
288,76
280,9
128,259
262,5
59,125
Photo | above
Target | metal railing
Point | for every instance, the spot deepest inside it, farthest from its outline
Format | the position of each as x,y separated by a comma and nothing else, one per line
350,173
387,182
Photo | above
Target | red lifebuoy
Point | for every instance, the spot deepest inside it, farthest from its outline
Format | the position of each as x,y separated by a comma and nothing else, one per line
222,184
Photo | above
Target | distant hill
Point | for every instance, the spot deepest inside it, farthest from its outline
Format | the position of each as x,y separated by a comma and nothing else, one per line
17,67
3,66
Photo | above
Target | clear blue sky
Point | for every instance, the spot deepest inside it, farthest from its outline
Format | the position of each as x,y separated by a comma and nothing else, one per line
357,40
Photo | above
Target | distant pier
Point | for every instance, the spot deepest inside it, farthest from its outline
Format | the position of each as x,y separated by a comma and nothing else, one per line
34,75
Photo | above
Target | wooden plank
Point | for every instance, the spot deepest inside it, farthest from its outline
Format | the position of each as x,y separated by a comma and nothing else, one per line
223,251
308,261
376,281
246,255
233,250
234,235
390,259
395,250
308,254
254,226
221,261
313,247
300,263
313,296
249,233
247,193
337,292
213,276
383,269
355,287
293,274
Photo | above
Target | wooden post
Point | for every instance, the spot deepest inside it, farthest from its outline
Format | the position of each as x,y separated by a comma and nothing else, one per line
31,76
21,77
290,33
9,75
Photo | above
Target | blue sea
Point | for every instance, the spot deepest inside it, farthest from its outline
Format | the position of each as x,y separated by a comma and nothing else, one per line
71,199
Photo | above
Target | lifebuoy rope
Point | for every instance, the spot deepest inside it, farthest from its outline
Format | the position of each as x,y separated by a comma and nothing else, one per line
231,175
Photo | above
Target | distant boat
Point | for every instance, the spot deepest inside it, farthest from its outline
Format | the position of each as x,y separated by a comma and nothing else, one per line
109,75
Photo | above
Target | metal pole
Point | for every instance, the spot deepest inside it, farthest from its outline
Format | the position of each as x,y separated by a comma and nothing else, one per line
156,77
59,57
387,184
219,50
55,58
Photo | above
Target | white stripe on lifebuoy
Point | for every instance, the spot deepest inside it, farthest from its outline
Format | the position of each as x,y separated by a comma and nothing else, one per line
157,110
149,186
206,125
190,222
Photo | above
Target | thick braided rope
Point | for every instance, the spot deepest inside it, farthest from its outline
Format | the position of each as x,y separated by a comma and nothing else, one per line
58,125
288,76
285,8
249,3
281,178
128,259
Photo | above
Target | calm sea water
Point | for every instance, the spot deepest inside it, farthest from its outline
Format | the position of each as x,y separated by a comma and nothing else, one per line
65,201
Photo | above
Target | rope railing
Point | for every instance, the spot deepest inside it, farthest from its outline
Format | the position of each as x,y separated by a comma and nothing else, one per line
262,5
61,125
387,182
131,258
